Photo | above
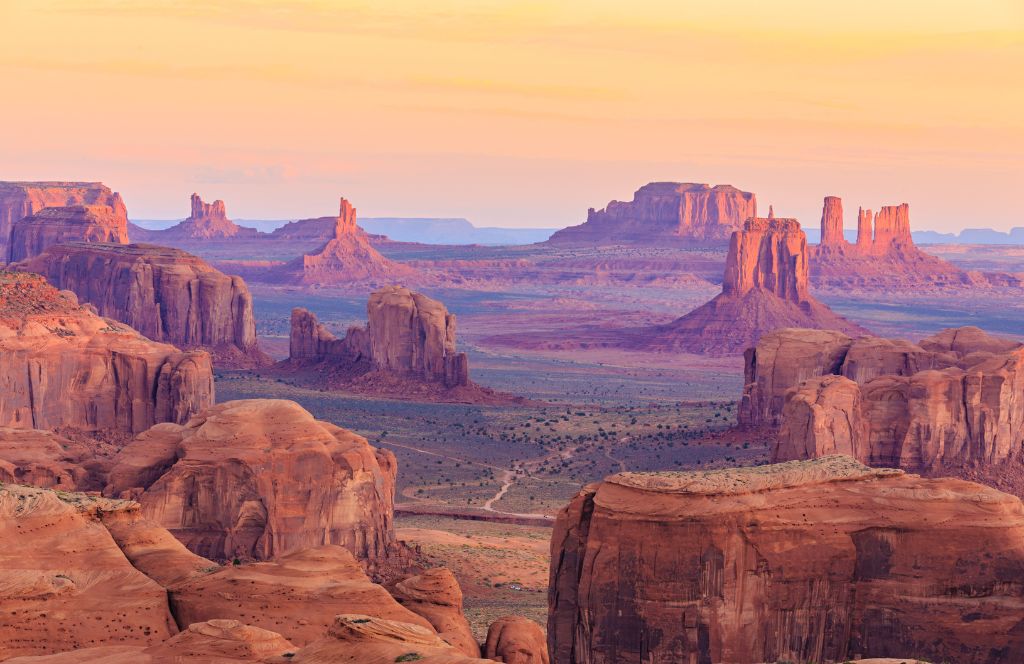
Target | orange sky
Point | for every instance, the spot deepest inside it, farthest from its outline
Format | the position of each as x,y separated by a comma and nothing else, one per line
519,113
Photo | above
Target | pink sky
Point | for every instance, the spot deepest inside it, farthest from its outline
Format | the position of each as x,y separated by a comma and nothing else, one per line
519,113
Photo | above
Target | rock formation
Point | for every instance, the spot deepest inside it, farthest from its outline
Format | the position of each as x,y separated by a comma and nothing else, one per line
409,341
346,258
63,366
883,256
166,294
663,211
207,221
823,560
41,458
23,199
516,640
764,288
950,405
224,483
435,594
30,236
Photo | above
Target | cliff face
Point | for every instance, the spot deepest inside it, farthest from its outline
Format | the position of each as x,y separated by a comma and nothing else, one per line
63,366
739,566
31,235
223,483
166,294
23,199
661,210
764,288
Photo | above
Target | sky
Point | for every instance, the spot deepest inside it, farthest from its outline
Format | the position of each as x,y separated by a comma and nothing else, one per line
520,113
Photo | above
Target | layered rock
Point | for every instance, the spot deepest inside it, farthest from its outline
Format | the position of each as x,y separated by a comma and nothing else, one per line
61,365
23,199
666,210
764,288
435,594
207,221
826,560
41,458
346,258
223,482
166,294
516,640
883,256
30,236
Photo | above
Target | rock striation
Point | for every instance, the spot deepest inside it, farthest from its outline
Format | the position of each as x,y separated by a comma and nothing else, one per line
166,294
765,288
824,560
24,199
30,236
224,482
884,255
663,211
62,366
949,405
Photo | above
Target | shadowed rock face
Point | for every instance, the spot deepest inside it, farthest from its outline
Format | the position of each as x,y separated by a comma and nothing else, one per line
825,560
224,484
764,289
63,366
949,404
666,210
23,199
166,294
31,236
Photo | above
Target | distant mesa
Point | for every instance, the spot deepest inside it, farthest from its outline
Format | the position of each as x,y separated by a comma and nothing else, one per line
207,221
64,367
947,405
24,199
30,236
666,211
810,561
765,287
166,294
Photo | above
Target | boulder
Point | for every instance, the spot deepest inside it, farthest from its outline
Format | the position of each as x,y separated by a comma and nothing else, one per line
30,236
435,594
516,640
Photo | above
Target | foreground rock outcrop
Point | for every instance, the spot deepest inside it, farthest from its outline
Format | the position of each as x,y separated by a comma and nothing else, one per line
953,404
663,211
825,560
23,199
50,226
516,640
224,483
62,366
764,288
435,594
166,294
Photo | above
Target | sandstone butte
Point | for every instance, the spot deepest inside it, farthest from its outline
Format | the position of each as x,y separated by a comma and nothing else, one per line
223,483
764,288
166,294
884,254
62,366
810,561
31,236
663,211
950,404
207,221
87,579
23,199
345,258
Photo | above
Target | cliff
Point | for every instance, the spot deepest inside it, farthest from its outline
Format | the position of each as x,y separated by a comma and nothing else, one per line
30,236
166,294
61,365
826,560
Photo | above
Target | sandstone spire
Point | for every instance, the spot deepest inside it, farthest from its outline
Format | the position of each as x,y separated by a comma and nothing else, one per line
864,233
892,228
346,224
832,223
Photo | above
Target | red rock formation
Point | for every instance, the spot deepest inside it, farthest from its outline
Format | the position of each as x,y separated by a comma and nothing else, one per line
223,483
63,366
665,210
63,581
765,288
864,230
311,342
166,294
23,199
297,595
346,258
816,561
208,221
30,236
435,594
832,223
40,458
516,640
